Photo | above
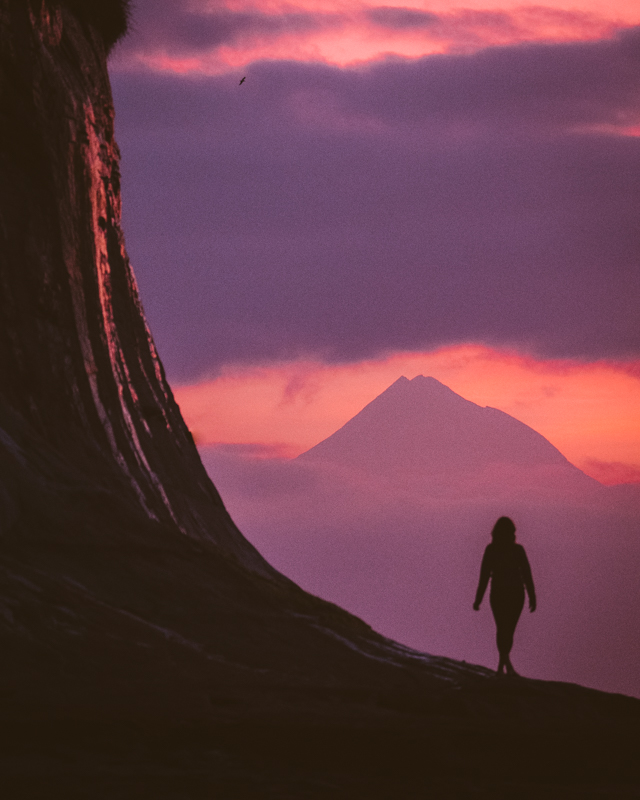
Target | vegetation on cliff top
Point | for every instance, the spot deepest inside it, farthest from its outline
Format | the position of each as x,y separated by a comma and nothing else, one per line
110,17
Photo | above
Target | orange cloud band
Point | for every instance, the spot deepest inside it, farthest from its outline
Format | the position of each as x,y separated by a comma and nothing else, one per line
588,411
345,33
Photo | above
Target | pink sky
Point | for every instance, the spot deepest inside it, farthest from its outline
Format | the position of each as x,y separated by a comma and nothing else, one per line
343,33
588,411
465,209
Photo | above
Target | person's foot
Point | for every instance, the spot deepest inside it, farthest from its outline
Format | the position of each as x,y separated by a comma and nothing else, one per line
510,670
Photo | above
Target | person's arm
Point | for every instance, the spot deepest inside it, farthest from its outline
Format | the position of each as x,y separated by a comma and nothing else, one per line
528,579
485,574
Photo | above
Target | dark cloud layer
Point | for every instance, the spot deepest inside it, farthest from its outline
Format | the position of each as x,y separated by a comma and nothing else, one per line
172,27
347,212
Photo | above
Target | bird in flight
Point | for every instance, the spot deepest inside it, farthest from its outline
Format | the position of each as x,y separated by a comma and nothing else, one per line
242,81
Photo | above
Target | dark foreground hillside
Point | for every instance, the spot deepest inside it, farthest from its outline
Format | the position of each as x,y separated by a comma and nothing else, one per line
133,667
146,649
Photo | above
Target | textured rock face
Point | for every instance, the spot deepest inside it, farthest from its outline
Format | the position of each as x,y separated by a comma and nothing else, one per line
111,528
79,369
147,649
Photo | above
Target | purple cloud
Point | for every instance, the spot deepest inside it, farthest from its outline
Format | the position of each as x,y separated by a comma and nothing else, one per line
398,18
191,29
343,213
179,29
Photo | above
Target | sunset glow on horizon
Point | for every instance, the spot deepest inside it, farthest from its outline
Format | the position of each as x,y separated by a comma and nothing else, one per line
467,180
588,411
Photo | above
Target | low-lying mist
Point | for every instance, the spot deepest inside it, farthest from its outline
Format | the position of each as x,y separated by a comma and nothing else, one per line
405,557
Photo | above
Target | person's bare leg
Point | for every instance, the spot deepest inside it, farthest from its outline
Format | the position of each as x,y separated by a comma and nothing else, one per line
505,637
506,618
508,647
501,663
503,652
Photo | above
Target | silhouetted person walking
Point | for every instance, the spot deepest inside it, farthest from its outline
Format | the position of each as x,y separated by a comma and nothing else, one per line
506,564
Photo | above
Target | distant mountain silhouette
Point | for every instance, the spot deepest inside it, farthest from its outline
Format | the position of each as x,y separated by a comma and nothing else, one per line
421,429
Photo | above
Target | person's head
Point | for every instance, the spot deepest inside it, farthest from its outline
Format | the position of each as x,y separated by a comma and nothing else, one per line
504,531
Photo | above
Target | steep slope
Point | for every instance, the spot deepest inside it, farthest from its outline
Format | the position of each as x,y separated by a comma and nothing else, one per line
145,644
109,519
422,429
80,374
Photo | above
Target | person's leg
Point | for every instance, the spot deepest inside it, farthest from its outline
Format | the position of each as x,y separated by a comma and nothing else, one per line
504,640
498,610
509,624
506,608
501,663
511,629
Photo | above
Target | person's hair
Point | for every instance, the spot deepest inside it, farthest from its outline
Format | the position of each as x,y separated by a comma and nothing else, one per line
504,531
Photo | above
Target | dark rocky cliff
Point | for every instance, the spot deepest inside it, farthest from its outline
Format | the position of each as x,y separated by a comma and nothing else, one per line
146,648
80,376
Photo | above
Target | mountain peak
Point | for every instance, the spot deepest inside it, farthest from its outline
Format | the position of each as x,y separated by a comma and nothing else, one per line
422,427
425,387
419,382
